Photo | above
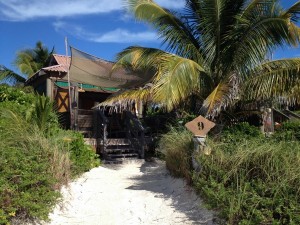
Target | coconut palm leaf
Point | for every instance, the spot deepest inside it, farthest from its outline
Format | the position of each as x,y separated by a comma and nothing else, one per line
221,49
139,59
125,99
273,79
293,12
30,60
222,96
257,36
177,79
24,62
9,76
292,97
174,31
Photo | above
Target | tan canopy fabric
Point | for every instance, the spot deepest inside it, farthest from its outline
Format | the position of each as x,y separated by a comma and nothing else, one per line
89,69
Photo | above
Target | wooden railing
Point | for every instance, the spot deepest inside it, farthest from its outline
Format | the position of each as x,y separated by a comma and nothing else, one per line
100,129
84,122
135,133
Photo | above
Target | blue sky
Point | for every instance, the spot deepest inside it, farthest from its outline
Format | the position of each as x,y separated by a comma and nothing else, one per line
98,27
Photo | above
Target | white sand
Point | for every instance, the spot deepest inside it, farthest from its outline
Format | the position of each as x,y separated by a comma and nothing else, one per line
132,193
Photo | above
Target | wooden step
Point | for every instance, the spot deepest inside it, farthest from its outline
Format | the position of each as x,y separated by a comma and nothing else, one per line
119,159
120,150
128,155
118,141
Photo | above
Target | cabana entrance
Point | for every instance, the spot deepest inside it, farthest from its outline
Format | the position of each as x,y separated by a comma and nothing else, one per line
77,84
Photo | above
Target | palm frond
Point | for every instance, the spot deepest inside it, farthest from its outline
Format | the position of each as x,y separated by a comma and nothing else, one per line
173,30
220,46
260,39
293,15
24,61
177,79
292,97
9,76
256,7
293,12
124,100
211,22
224,95
30,60
138,58
272,79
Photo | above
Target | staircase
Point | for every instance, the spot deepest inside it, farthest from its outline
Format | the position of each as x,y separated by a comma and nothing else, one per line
120,138
119,149
291,115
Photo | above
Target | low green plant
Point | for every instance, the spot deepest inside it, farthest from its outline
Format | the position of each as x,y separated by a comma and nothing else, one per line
28,169
43,113
21,96
37,109
36,157
82,155
232,136
288,131
176,146
239,132
248,178
257,182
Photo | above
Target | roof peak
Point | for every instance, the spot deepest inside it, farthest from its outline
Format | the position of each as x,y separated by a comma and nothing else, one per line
61,55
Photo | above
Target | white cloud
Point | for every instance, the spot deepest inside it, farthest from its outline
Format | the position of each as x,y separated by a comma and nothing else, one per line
124,36
115,36
29,9
21,10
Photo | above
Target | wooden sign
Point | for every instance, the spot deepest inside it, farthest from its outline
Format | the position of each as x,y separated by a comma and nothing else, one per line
200,126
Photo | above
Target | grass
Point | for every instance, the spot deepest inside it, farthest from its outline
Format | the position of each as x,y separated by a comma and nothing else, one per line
176,147
247,178
32,169
257,183
36,158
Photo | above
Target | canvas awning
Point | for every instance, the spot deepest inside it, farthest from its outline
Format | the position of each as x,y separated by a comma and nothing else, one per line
89,69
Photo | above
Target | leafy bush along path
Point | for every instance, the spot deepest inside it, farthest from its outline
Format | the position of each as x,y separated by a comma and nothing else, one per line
133,193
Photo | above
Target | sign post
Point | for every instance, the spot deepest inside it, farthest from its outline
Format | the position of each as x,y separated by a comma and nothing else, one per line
199,126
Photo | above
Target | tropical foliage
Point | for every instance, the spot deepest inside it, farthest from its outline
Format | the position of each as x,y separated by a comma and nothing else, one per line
9,76
37,157
247,178
253,180
217,50
29,61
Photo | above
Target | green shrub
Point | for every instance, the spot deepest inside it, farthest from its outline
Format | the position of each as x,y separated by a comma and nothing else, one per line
21,96
176,146
35,108
288,131
248,178
82,155
240,132
28,169
232,136
258,182
36,158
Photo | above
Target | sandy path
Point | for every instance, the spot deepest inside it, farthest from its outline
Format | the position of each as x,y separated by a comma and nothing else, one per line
133,193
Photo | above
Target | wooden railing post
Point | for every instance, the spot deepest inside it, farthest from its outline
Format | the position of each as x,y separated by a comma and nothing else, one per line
102,129
135,132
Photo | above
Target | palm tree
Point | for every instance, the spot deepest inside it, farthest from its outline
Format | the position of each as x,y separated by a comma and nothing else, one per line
30,60
215,49
9,76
